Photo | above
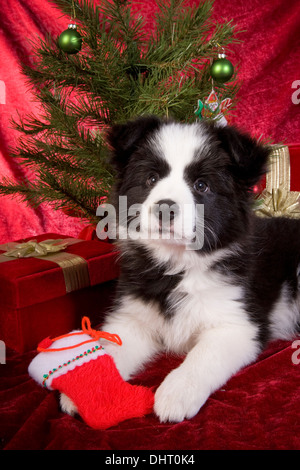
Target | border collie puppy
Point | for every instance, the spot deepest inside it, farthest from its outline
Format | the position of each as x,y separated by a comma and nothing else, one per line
210,280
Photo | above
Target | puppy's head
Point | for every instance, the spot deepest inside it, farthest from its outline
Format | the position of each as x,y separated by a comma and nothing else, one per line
185,184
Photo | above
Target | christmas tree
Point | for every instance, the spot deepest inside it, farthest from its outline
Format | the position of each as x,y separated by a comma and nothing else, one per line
105,71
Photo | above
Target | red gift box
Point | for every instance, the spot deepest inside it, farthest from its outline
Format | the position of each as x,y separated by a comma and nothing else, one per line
294,150
36,300
294,157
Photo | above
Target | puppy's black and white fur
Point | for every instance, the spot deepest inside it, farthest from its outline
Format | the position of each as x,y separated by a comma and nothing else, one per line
218,304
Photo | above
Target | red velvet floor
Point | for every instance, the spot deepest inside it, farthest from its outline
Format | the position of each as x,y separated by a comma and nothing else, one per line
257,409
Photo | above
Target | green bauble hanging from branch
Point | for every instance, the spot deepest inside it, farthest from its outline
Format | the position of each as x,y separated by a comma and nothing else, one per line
221,69
70,40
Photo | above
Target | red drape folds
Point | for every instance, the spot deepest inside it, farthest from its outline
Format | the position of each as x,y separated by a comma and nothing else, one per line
268,59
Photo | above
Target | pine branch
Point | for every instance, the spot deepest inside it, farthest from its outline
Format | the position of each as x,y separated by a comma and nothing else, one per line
119,73
58,193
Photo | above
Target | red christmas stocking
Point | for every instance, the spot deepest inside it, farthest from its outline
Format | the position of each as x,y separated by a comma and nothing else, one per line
87,375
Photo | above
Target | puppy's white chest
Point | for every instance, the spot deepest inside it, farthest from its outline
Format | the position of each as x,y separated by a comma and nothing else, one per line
200,301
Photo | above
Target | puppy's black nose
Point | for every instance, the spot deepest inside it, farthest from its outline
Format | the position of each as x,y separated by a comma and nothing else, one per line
166,207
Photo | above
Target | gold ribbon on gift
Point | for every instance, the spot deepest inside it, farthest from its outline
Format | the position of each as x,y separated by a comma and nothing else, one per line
34,249
74,267
277,200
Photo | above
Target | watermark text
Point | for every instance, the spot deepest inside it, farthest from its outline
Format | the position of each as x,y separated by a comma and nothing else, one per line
2,352
178,223
296,354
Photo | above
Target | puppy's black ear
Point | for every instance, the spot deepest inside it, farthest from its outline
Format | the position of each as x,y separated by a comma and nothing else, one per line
248,158
124,139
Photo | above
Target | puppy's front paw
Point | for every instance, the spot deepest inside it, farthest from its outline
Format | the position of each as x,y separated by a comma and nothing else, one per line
67,405
177,398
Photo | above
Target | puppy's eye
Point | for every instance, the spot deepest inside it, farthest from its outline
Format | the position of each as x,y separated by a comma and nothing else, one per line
200,186
152,179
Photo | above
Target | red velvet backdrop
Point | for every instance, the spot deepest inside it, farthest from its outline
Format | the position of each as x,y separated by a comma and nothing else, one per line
269,68
258,409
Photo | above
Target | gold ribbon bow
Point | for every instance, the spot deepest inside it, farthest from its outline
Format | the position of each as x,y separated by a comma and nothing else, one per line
33,249
277,200
279,203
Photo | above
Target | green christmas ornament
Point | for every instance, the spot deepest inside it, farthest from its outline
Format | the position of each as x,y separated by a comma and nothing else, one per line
221,69
70,40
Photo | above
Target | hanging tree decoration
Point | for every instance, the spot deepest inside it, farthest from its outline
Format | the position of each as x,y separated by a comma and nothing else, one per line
70,40
212,108
221,70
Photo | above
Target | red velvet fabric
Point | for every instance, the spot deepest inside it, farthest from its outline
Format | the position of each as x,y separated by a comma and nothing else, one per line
268,59
257,409
33,293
